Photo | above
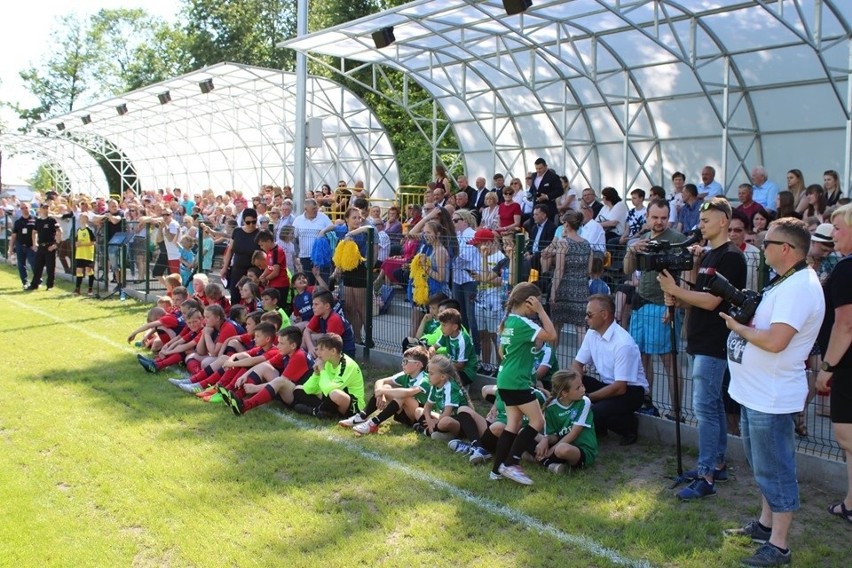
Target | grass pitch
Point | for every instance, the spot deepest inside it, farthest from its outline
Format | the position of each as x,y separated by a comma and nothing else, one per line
102,464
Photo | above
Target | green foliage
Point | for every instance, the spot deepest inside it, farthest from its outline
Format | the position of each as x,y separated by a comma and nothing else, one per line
240,32
45,178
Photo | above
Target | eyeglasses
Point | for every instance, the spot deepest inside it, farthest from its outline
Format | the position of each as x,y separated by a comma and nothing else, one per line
769,242
735,230
591,314
407,361
457,220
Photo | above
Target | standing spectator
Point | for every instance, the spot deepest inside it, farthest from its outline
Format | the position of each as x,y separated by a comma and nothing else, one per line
441,180
835,340
648,325
766,360
737,229
546,188
706,337
66,224
112,223
622,385
764,191
47,236
238,255
465,265
21,243
307,226
572,264
709,187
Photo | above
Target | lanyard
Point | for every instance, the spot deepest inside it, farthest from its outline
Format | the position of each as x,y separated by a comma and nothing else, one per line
801,265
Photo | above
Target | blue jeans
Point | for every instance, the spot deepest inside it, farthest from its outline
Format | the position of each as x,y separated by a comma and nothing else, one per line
770,446
25,255
707,375
465,294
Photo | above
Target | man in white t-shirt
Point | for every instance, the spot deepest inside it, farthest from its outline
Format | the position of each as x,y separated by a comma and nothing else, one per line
307,226
767,363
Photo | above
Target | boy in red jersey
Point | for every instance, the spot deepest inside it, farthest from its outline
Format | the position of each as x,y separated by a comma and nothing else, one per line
275,275
176,350
326,320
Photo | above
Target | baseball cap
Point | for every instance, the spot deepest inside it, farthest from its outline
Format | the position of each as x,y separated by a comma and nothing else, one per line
823,234
482,236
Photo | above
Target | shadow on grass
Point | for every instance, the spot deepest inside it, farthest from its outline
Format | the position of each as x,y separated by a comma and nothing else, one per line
623,501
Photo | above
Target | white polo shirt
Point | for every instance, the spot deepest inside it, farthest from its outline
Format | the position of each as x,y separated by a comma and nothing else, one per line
615,355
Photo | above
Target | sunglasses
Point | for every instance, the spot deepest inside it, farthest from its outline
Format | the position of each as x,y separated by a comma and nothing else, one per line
407,361
456,220
708,205
735,230
769,242
247,222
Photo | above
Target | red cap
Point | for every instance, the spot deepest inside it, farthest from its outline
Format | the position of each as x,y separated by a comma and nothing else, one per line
482,236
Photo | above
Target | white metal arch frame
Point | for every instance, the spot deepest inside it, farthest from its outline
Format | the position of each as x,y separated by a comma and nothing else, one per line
65,159
626,92
239,135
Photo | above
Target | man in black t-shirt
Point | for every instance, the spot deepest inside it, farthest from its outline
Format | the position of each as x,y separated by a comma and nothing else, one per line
47,237
21,242
706,336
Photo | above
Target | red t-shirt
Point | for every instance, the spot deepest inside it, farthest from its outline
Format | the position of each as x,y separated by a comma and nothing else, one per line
507,212
334,324
297,366
277,256
226,332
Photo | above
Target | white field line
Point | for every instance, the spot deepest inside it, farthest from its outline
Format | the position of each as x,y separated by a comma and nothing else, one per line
530,523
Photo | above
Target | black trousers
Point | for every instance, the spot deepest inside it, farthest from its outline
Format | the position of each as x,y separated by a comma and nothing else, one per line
45,259
616,413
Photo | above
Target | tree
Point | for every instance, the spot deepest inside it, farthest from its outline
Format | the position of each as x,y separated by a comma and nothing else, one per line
241,32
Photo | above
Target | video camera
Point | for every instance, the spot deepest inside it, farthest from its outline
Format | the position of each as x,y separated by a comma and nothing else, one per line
663,255
743,302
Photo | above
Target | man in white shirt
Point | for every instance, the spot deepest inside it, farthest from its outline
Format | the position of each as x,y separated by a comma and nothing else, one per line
766,359
622,385
709,187
307,227
592,230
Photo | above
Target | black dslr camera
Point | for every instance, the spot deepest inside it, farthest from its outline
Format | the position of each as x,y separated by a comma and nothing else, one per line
663,255
743,302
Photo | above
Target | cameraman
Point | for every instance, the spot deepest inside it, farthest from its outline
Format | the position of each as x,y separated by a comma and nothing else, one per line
706,339
767,363
648,323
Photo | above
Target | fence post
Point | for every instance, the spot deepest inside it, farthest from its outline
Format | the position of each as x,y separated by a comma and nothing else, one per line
520,242
73,246
122,258
7,218
368,296
147,259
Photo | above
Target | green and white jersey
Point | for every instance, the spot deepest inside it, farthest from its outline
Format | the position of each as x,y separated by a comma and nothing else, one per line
448,395
546,356
518,342
559,420
421,381
501,408
432,332
460,349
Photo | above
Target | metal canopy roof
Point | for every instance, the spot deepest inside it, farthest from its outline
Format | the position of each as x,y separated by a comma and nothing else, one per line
239,135
624,93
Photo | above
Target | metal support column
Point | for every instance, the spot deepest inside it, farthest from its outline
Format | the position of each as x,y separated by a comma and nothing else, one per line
300,143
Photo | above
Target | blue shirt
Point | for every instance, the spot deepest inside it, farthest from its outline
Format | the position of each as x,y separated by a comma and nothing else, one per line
765,194
689,215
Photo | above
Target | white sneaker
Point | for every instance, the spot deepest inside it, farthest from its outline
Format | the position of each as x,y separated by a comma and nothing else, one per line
442,436
189,387
352,421
557,468
515,473
479,455
494,476
460,446
367,427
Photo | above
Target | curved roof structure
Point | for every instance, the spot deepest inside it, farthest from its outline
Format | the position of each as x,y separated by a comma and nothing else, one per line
68,161
625,92
232,126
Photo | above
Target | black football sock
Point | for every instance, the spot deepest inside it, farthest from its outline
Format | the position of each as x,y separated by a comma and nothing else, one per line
387,412
504,446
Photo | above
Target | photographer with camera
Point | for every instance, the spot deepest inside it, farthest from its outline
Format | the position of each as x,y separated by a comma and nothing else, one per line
767,362
649,323
706,341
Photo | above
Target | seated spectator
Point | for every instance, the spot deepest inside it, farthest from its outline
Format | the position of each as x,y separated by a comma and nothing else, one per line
622,385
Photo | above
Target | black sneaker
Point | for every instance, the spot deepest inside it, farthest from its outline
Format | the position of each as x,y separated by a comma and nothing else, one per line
147,364
769,555
303,409
753,530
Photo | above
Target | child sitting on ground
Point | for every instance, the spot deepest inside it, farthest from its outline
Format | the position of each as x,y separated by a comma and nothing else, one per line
302,306
270,301
437,417
326,320
336,387
398,396
569,439
457,344
161,327
177,349
214,294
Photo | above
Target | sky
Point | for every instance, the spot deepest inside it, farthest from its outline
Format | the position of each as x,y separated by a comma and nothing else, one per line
25,36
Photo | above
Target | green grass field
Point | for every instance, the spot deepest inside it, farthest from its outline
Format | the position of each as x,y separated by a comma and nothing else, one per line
102,464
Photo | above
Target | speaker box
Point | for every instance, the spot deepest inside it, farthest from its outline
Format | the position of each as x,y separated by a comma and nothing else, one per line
516,6
384,37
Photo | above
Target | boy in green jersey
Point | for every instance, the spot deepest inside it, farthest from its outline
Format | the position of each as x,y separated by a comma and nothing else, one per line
398,396
457,344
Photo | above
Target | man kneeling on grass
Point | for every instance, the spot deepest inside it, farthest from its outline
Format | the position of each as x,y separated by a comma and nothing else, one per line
264,381
335,390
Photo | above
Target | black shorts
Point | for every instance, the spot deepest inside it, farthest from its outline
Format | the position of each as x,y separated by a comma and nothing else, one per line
83,263
841,396
516,397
